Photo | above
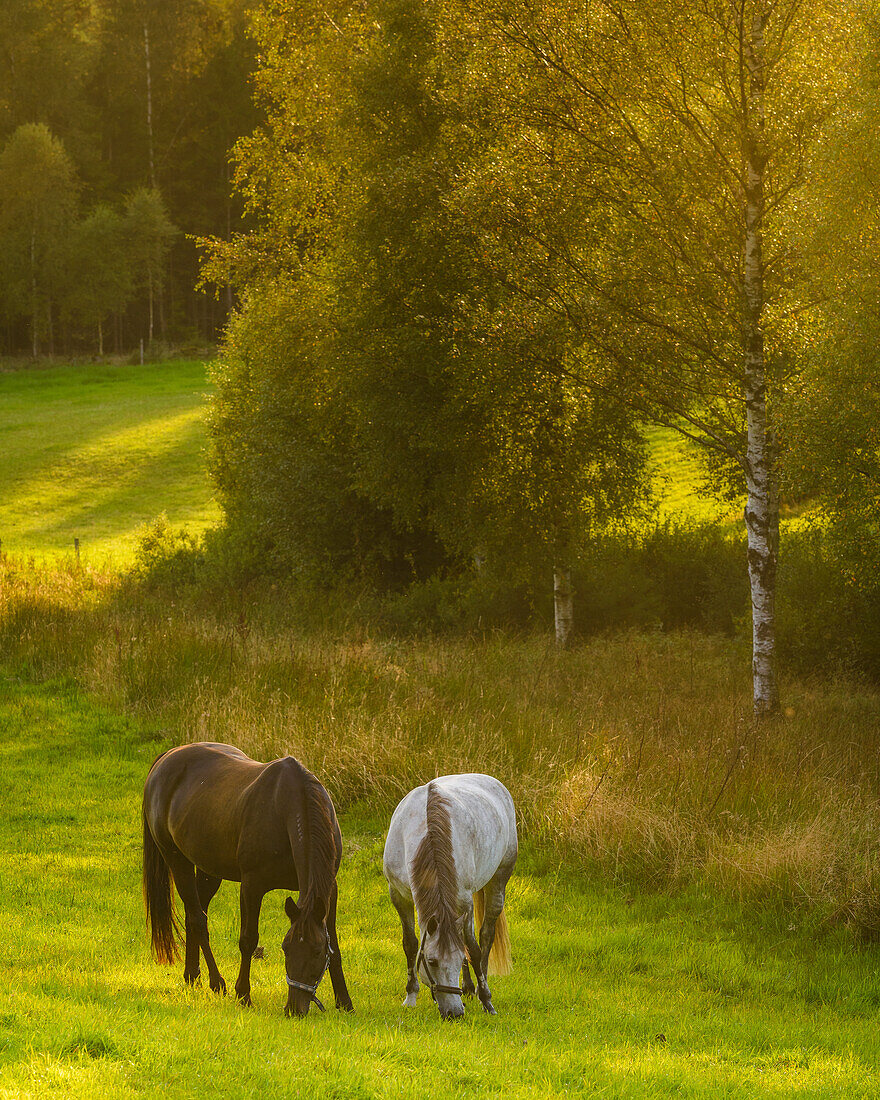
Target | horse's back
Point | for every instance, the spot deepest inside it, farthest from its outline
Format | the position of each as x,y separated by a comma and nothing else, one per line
194,799
482,825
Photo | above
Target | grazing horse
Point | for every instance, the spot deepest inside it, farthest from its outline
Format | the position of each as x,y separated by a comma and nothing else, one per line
451,848
211,813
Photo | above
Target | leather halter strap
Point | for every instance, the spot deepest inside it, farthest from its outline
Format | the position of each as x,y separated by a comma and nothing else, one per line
313,989
435,987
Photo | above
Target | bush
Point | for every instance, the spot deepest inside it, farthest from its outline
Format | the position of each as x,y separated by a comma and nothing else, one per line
829,601
168,558
665,578
670,576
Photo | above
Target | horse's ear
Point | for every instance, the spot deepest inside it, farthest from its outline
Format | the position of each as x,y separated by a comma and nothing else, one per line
290,909
431,926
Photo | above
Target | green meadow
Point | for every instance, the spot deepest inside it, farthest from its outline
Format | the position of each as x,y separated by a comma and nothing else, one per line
93,452
613,993
696,900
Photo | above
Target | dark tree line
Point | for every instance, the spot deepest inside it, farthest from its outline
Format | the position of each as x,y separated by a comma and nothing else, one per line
134,107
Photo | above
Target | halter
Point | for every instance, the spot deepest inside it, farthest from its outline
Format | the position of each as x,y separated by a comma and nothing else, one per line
312,989
434,987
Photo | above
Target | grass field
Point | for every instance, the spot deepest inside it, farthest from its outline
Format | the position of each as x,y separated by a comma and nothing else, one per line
612,994
676,477
95,451
685,912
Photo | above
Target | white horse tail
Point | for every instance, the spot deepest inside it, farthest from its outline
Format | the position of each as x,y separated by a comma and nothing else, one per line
500,958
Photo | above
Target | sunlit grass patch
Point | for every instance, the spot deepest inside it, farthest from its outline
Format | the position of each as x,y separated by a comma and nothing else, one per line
95,452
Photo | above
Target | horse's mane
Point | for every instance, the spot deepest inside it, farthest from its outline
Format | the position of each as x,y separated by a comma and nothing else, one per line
432,873
321,849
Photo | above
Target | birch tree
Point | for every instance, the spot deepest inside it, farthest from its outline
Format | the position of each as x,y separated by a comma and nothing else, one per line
680,134
38,194
148,233
98,270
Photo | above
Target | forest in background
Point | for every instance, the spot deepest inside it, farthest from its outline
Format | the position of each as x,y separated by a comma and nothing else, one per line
469,252
117,118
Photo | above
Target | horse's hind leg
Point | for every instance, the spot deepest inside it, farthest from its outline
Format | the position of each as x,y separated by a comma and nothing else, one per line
493,894
407,913
206,886
196,924
340,989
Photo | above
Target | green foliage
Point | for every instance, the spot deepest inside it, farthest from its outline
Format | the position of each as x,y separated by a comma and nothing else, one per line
141,93
829,611
284,455
166,556
38,195
832,419
665,577
99,269
384,399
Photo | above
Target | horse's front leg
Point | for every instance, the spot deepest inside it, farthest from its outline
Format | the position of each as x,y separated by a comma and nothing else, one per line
476,956
250,903
407,913
340,989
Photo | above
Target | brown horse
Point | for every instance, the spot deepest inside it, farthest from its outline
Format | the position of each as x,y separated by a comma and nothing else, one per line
211,813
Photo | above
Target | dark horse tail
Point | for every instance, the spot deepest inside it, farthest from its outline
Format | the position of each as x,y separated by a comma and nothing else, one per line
159,901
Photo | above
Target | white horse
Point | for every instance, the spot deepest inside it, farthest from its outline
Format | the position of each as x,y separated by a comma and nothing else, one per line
451,848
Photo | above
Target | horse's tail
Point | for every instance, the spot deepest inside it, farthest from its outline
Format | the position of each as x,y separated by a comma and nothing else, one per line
500,958
159,901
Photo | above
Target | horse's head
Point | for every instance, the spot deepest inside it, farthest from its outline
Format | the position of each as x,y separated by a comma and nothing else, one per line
307,953
439,963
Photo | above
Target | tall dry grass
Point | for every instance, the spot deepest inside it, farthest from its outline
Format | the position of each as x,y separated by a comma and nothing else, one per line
635,755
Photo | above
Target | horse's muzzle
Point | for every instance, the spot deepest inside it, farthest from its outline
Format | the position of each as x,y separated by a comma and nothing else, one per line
451,1012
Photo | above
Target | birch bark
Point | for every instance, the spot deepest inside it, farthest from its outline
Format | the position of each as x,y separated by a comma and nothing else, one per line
762,507
563,605
149,105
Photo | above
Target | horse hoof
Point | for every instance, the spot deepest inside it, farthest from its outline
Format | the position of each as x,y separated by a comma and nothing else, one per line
220,987
245,1000
489,1008
345,1006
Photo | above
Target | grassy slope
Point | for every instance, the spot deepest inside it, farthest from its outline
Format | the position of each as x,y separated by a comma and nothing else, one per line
94,452
676,477
626,997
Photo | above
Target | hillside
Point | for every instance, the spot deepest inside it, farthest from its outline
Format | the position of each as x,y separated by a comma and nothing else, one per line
95,451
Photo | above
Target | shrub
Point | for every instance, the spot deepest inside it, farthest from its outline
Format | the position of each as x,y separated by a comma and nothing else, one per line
166,557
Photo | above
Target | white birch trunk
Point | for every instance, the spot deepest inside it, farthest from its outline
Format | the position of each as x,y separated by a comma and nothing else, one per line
151,310
762,508
149,70
563,605
34,296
